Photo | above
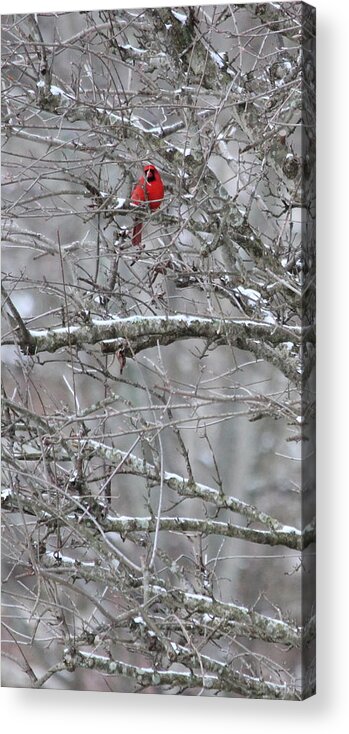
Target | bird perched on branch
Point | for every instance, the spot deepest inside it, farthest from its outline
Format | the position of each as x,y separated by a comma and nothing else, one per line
150,188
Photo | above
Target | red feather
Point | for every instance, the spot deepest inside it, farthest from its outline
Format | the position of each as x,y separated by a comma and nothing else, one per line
137,233
149,188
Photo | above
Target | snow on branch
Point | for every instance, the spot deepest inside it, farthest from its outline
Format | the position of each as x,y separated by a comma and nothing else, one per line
136,333
222,677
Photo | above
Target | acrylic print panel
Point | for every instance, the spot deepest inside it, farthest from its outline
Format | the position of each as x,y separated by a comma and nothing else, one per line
158,350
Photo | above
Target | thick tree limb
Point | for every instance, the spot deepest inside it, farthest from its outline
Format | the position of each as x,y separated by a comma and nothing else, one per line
223,678
136,333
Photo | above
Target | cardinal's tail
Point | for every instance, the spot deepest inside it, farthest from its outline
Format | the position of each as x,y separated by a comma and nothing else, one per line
137,234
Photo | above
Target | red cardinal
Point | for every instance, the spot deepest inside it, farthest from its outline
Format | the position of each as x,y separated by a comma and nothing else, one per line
149,188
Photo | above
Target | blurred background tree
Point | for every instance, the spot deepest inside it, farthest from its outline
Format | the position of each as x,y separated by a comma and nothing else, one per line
158,403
